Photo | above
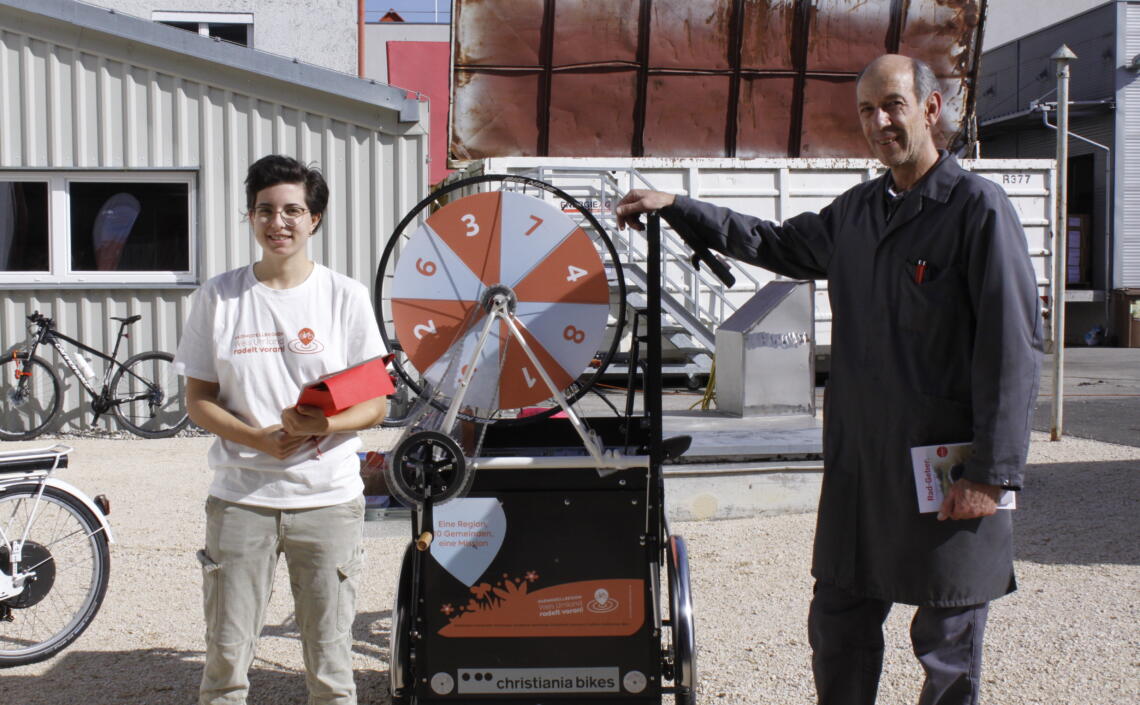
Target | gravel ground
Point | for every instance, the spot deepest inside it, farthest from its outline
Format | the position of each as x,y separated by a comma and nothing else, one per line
1069,635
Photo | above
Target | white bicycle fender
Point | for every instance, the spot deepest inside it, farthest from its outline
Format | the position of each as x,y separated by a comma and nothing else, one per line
87,502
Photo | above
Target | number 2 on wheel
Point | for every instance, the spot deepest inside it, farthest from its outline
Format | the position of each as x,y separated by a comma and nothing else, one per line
424,329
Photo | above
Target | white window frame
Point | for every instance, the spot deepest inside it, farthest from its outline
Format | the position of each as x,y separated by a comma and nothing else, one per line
205,19
60,274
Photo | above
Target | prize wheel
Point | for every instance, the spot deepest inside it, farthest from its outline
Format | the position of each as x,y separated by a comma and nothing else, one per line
517,244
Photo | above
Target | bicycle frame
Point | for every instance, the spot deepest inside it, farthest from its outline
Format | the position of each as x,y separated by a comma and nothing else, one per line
101,401
52,337
36,466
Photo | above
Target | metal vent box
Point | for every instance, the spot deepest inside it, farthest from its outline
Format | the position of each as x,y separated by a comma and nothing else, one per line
765,353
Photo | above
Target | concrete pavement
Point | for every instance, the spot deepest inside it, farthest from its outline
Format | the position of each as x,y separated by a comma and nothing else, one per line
1101,395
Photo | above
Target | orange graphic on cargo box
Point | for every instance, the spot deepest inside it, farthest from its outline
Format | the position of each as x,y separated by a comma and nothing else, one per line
586,608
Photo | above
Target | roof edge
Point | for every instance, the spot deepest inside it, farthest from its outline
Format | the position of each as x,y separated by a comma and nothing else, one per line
1058,23
142,31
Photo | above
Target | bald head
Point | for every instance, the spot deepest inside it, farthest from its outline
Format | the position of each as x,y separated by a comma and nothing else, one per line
923,80
899,107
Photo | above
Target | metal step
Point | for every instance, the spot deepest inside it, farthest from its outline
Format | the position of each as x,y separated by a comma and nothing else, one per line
683,328
695,327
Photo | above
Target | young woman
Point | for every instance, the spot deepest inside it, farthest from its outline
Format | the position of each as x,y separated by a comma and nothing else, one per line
286,478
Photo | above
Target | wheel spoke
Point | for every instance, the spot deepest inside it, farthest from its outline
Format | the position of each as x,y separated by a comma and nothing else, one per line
148,397
447,372
29,397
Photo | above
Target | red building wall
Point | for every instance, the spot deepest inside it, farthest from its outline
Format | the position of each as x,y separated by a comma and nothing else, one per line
423,67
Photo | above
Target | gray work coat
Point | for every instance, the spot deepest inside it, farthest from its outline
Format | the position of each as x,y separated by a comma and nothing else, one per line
952,358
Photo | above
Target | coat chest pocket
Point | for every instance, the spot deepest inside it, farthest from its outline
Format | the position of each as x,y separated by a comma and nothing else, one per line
936,306
936,337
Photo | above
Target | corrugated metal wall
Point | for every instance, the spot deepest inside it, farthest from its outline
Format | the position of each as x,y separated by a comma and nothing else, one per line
74,99
1127,243
1014,76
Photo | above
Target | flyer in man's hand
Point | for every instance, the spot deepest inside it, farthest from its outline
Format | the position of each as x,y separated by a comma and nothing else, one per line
939,466
337,391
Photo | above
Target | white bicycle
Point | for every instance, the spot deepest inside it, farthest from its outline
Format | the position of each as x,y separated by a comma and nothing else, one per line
54,556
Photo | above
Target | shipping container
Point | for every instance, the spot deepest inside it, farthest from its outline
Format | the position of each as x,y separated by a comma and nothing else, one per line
693,78
774,189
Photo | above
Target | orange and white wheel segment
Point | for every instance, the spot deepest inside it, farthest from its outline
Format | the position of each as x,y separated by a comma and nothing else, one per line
515,244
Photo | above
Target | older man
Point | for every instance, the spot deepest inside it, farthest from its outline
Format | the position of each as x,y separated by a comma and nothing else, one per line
936,338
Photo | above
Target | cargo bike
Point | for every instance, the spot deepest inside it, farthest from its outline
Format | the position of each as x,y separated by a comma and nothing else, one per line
540,567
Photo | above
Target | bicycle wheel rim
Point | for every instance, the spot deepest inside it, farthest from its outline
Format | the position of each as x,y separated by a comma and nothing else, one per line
149,398
81,561
582,384
26,411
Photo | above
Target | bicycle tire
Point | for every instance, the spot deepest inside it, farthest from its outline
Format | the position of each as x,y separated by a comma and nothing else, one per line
400,661
441,196
148,397
64,529
683,646
25,413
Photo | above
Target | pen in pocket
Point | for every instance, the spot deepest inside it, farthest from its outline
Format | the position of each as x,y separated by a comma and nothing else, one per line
919,271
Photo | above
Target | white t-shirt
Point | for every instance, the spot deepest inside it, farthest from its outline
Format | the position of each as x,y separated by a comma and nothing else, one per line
261,345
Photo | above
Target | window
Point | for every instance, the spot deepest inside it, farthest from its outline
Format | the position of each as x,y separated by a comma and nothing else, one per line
23,226
96,228
236,27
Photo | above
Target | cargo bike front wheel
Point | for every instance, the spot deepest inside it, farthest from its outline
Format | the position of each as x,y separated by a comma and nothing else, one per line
681,653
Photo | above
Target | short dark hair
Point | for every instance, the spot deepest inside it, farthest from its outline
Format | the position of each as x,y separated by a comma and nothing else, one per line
925,82
276,169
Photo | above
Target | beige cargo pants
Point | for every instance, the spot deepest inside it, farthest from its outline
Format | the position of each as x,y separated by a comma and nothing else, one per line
323,551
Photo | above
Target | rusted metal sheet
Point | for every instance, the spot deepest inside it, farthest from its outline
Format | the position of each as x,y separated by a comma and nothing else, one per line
703,78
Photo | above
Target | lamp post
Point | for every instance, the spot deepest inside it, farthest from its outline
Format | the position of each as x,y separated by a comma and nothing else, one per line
1061,59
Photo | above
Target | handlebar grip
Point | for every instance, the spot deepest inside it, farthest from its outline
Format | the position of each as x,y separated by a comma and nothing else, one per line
719,269
701,253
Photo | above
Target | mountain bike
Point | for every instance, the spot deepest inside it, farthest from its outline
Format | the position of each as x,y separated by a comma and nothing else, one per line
54,556
144,393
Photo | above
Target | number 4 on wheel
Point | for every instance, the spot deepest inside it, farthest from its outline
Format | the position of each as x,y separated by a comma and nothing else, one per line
337,391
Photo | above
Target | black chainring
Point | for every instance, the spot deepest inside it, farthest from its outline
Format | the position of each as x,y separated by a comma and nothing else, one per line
428,465
37,586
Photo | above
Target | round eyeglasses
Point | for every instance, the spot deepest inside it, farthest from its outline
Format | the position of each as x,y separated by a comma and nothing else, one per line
289,214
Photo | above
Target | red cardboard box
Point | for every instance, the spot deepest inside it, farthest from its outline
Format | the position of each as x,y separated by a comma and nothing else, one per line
337,391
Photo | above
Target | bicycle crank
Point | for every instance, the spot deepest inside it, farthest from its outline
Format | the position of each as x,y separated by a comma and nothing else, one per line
428,465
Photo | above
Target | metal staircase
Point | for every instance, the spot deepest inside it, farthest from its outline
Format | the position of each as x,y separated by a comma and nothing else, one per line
694,302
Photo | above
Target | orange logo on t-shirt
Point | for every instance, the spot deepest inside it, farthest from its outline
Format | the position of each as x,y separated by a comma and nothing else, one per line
306,342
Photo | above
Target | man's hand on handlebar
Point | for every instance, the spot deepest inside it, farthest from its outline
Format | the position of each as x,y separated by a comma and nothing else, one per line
640,201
